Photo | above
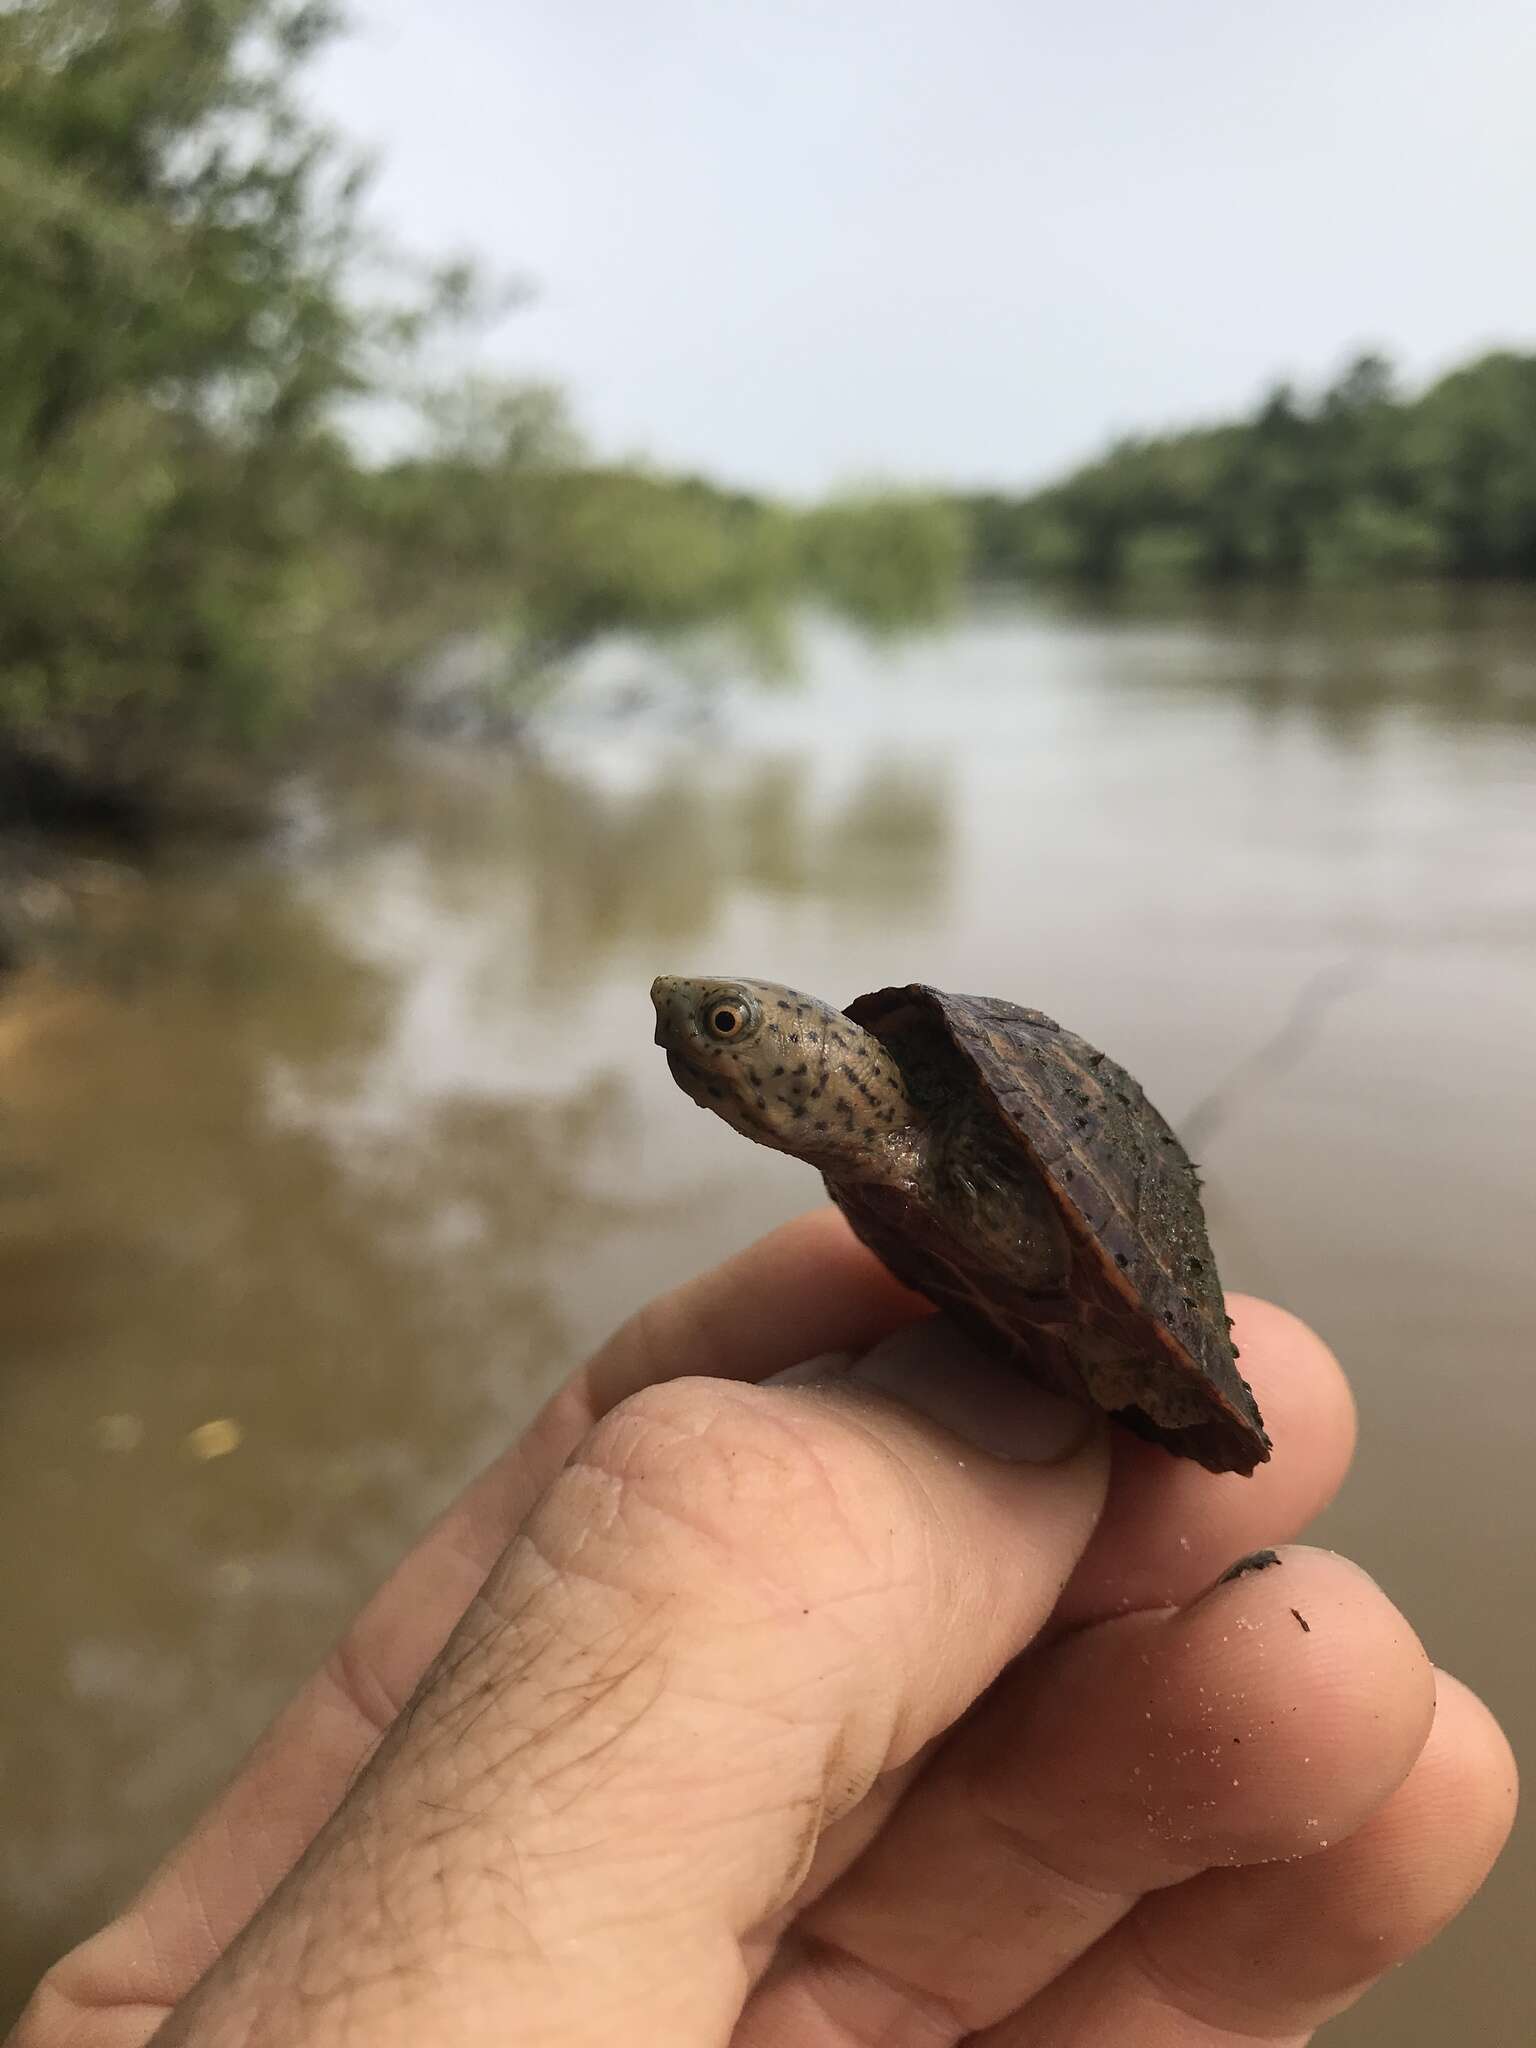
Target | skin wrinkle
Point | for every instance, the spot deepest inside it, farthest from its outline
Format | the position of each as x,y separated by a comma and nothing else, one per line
932,1520
944,2024
445,1706
756,1418
432,1695
515,1761
747,1793
1113,1905
165,1965
841,1529
1213,2033
321,1978
541,1783
198,1910
646,1501
494,1776
1224,2032
389,1897
357,1683
1027,1855
490,1623
1187,1997
847,1838
456,1820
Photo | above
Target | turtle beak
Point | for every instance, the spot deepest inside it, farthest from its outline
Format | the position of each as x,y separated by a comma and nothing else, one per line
665,996
674,1030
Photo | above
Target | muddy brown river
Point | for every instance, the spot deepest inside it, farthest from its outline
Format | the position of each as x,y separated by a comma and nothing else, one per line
321,1163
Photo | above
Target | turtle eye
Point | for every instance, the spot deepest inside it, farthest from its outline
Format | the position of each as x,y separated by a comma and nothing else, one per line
727,1018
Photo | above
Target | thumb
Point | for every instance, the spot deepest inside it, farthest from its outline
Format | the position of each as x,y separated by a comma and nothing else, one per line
734,1609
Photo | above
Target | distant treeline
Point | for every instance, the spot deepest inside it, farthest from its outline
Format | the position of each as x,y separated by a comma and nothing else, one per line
1357,484
193,554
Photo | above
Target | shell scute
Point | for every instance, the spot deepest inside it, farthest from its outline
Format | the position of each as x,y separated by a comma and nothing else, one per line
1144,1278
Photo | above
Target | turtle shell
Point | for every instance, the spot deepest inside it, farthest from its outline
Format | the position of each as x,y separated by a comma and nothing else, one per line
1141,1326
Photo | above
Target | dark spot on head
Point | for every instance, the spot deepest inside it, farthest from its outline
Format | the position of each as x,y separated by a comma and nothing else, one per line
821,1124
1121,1259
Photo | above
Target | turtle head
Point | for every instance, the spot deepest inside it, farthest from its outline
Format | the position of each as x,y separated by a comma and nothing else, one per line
789,1072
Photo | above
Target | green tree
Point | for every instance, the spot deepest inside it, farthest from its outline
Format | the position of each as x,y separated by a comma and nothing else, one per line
1359,484
1471,450
889,560
173,241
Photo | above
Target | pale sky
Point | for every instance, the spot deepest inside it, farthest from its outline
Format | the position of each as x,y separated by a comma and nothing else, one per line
798,242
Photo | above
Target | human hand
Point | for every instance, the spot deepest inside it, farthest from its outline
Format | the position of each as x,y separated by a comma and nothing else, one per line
786,1716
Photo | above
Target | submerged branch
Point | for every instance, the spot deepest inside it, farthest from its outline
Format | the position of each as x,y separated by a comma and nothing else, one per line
1283,1050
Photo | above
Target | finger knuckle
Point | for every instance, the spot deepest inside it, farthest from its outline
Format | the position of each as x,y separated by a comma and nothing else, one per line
720,1492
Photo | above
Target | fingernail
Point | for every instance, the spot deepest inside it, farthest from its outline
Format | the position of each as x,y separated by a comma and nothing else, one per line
834,1365
930,1367
1255,1561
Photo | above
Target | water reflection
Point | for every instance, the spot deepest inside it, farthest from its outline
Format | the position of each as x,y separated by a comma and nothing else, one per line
659,845
1344,657
356,1145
